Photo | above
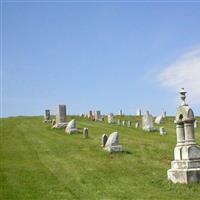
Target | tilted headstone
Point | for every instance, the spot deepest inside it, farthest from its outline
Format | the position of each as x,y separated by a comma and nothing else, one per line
112,144
186,165
53,122
104,139
85,132
47,116
147,122
71,127
159,119
162,131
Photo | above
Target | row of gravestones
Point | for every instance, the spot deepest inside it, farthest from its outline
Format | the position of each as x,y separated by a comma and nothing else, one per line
110,144
186,165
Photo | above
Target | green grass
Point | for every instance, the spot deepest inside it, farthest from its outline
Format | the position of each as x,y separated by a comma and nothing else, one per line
38,162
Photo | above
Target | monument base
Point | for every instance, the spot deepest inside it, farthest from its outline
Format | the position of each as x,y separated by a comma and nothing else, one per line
116,148
60,125
184,175
72,130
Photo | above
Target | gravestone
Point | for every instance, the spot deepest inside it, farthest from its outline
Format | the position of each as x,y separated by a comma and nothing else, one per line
139,112
47,116
119,122
53,122
162,131
120,113
90,115
196,124
137,125
159,119
71,127
85,132
164,114
186,165
110,118
147,122
123,123
104,139
129,124
61,119
97,115
112,144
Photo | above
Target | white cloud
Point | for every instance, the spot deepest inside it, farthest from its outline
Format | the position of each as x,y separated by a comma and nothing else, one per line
184,72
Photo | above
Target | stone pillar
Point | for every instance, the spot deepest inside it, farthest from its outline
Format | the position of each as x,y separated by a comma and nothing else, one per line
189,132
180,134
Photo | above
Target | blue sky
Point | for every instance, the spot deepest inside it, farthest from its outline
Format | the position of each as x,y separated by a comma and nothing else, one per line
99,55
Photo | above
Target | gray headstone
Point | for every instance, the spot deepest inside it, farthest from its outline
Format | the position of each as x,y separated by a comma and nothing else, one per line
104,140
85,132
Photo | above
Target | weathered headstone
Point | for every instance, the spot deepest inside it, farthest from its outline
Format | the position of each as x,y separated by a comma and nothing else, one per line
110,118
162,131
137,125
61,119
119,122
104,139
97,115
112,144
129,124
196,124
47,116
71,127
147,122
123,123
53,122
120,113
186,165
159,119
85,132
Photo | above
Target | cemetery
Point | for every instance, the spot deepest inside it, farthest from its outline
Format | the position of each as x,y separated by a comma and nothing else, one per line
85,157
92,105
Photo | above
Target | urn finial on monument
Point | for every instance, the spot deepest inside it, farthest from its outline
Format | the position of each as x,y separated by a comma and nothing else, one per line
183,96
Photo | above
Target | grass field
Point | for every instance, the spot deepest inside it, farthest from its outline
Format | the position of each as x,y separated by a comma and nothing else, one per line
38,162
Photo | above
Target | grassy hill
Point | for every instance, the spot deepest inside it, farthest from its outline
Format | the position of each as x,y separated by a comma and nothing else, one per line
38,162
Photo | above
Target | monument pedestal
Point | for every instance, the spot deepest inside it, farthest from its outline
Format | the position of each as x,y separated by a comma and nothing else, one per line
186,169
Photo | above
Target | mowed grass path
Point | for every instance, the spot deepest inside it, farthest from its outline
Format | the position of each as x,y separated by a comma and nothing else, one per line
38,162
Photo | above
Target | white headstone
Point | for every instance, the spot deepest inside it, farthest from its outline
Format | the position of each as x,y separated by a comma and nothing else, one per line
85,132
159,119
162,131
137,125
129,124
147,122
139,112
119,122
112,144
110,118
71,127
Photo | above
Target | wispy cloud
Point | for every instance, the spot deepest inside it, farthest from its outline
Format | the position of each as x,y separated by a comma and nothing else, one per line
184,72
